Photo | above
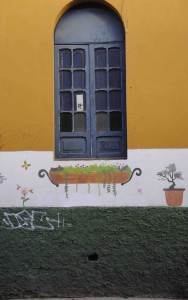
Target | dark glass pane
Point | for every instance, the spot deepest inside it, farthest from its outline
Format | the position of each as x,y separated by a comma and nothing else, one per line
79,58
65,80
65,101
101,100
100,79
65,122
115,99
114,78
79,122
65,58
79,101
101,121
100,58
114,57
115,121
79,79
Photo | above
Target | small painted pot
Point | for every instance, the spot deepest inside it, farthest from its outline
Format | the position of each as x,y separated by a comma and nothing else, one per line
174,197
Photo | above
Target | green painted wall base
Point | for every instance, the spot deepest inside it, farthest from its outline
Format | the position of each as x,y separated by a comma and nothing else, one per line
94,252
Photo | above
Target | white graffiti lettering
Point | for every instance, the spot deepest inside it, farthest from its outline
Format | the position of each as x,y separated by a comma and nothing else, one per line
32,221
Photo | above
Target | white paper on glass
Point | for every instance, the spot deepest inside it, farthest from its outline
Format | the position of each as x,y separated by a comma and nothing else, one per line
79,102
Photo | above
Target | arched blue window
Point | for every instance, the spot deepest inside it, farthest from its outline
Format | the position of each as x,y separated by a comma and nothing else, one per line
90,116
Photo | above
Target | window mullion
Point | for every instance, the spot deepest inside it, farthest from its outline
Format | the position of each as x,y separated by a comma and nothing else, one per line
92,100
108,88
72,89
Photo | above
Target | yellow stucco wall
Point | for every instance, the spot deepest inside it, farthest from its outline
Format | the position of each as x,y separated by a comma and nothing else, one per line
157,72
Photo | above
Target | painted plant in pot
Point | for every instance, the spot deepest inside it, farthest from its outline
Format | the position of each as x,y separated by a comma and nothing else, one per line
174,196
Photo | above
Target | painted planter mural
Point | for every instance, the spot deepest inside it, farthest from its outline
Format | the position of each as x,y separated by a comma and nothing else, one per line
35,179
107,175
174,196
90,174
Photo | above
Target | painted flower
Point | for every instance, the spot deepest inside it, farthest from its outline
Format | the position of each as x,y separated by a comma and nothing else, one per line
24,192
26,165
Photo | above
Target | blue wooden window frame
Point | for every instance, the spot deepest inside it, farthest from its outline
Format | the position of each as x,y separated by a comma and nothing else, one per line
95,73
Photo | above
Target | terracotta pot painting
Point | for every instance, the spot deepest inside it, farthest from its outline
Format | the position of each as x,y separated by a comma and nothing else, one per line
106,175
174,196
90,174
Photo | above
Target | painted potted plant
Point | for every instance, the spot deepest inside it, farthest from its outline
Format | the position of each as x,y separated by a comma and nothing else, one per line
107,175
90,174
174,196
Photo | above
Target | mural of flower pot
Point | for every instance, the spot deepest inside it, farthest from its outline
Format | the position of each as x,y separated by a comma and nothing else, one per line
101,174
174,196
90,174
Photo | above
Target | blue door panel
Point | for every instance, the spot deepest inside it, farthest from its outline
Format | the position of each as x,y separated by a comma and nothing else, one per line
73,146
107,90
90,101
72,106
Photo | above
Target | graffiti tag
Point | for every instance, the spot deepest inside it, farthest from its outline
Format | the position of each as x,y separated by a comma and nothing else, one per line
32,221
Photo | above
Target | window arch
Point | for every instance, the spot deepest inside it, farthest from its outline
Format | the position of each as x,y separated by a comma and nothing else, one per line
90,117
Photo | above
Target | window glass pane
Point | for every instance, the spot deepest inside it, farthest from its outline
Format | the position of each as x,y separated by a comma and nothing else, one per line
114,78
79,79
115,99
65,122
101,121
79,122
101,100
65,101
65,80
115,121
114,57
100,79
79,58
65,58
79,101
100,58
